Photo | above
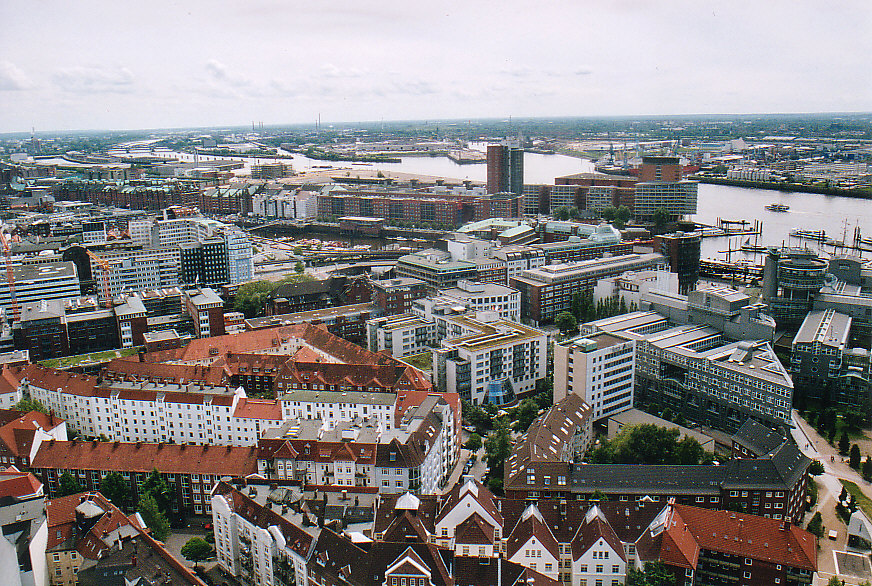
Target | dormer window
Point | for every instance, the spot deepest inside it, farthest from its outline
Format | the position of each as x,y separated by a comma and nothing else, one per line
393,456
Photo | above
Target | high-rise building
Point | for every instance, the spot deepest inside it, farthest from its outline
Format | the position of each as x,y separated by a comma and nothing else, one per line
682,252
661,186
505,168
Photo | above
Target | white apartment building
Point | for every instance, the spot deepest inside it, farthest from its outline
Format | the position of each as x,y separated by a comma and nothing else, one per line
633,285
334,407
600,369
140,232
400,335
519,258
184,231
486,359
298,205
504,301
257,544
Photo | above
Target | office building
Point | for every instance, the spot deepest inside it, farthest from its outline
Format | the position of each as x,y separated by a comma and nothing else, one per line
207,310
660,186
435,268
204,263
346,321
477,296
548,290
395,296
634,286
49,281
599,369
505,168
791,279
682,252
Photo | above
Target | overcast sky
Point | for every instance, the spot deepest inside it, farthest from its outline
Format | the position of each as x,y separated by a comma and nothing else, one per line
70,64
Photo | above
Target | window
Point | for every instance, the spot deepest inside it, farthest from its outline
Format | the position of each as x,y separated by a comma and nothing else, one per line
615,569
746,575
599,568
583,568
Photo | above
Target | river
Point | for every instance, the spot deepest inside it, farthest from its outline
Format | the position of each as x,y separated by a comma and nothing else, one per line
833,214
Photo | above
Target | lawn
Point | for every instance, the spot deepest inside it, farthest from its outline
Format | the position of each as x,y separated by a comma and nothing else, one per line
860,498
95,357
423,361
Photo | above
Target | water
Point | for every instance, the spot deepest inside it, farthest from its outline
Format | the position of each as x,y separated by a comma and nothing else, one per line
807,210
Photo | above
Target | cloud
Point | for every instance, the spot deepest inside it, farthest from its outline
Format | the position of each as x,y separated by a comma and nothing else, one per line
219,73
330,71
13,79
95,80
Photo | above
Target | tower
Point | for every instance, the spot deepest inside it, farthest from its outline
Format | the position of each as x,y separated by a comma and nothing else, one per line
505,168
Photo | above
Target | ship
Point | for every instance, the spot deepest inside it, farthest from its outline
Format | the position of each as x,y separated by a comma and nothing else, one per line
816,235
777,207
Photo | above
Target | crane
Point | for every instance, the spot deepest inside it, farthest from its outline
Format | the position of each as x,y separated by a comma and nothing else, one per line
107,268
4,236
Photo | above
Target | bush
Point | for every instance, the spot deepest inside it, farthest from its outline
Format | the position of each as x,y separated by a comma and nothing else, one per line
816,468
816,525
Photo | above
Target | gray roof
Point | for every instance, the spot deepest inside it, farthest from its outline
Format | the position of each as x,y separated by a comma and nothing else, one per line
643,479
757,437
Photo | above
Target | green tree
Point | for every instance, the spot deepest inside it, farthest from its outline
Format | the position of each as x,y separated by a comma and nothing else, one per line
525,413
688,452
196,550
566,322
855,457
561,213
816,526
599,496
27,405
622,214
498,446
575,306
157,487
661,218
299,268
654,574
153,517
115,488
867,469
815,468
68,485
251,297
473,443
844,444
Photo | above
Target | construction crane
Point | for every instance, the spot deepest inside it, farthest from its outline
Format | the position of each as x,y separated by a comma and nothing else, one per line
107,268
4,236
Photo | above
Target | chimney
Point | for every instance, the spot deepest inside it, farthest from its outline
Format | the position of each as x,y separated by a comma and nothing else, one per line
133,561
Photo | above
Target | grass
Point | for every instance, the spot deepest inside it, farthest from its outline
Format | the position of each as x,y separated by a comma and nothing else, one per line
95,357
423,361
862,501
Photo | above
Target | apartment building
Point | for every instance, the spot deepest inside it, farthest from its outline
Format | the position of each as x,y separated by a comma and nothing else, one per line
487,359
477,296
255,543
23,529
207,310
137,270
548,290
395,296
190,471
21,435
599,369
695,371
400,335
415,452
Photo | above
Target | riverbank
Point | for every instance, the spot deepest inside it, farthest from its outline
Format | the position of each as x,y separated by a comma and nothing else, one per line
786,187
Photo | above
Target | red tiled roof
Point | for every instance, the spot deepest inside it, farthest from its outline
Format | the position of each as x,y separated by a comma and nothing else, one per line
171,373
9,379
52,379
144,457
361,376
18,484
17,435
778,542
61,515
258,409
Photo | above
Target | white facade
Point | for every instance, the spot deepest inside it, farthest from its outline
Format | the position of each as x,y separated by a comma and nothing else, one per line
302,205
600,369
401,336
57,280
600,563
248,550
140,232
139,270
487,297
468,248
632,285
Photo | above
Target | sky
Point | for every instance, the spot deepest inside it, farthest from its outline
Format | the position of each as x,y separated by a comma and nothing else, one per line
96,64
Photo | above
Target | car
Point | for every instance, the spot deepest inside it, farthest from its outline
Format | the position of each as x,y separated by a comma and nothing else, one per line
207,526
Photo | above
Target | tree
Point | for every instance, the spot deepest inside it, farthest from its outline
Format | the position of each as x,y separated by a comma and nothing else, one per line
599,496
115,488
815,468
843,495
525,413
689,452
561,213
815,526
622,214
566,322
27,405
835,581
855,457
498,447
157,487
648,444
299,268
867,469
844,444
661,217
654,574
575,306
251,297
153,517
196,550
68,485
473,443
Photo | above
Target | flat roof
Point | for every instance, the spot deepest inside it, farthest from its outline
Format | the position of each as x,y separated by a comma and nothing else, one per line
301,316
310,396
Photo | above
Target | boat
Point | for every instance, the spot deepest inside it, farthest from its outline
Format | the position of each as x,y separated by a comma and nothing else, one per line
777,207
816,235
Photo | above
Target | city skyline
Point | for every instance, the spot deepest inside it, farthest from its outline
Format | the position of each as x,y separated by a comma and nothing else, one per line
99,65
